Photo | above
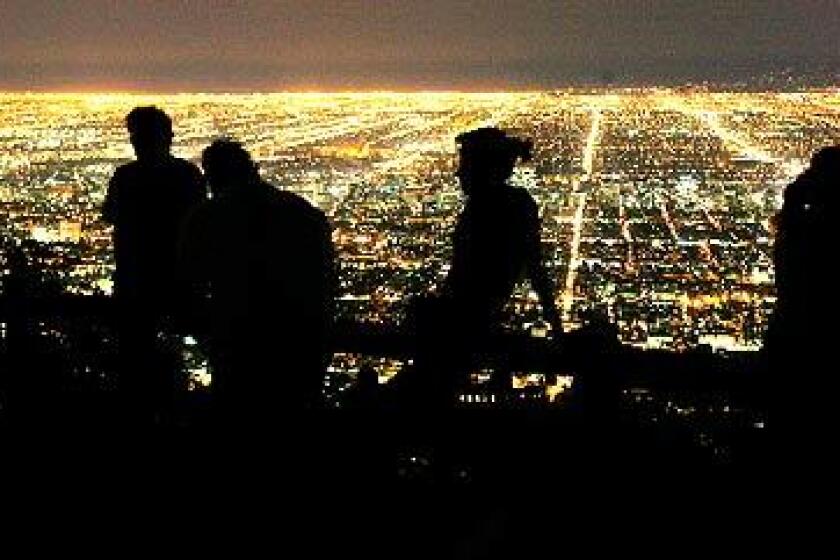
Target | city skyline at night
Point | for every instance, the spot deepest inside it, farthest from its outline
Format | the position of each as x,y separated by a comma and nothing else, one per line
420,279
655,203
473,257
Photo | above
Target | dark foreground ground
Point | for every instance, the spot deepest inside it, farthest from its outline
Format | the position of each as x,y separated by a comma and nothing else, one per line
472,484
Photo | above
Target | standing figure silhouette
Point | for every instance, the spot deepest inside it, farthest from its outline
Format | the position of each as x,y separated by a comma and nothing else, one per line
261,261
496,244
801,338
147,202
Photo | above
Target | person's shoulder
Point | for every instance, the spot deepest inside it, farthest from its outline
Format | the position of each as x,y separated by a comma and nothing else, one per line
184,166
522,199
183,163
188,179
303,213
802,189
127,167
299,204
124,171
292,199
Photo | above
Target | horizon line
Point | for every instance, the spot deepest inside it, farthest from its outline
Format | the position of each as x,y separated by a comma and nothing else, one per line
720,88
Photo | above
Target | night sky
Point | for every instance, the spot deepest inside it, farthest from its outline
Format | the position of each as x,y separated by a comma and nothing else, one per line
430,44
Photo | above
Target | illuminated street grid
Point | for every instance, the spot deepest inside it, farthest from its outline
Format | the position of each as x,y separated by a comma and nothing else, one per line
655,203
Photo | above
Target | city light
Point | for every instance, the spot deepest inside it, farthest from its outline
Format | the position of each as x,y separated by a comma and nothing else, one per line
655,203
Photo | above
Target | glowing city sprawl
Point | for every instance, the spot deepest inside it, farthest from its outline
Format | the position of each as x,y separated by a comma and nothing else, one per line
656,204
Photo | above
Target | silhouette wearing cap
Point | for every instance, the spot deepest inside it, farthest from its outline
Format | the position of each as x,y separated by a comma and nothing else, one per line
261,265
147,202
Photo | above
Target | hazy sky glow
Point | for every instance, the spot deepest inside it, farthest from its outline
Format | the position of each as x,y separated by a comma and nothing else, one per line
387,44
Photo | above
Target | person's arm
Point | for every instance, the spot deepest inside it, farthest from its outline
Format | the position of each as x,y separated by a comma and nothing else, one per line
538,275
193,270
109,207
330,268
788,242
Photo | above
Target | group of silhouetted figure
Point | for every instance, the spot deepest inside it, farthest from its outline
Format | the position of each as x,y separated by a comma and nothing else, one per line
250,271
247,270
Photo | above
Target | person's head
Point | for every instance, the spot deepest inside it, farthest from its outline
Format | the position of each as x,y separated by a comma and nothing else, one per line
227,166
150,130
826,162
488,156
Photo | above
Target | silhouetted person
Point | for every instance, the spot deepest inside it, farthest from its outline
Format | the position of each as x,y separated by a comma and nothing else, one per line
496,243
264,260
147,202
801,342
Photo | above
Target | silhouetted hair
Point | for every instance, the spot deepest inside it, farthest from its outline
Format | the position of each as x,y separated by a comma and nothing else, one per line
489,156
228,159
495,144
827,161
148,119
